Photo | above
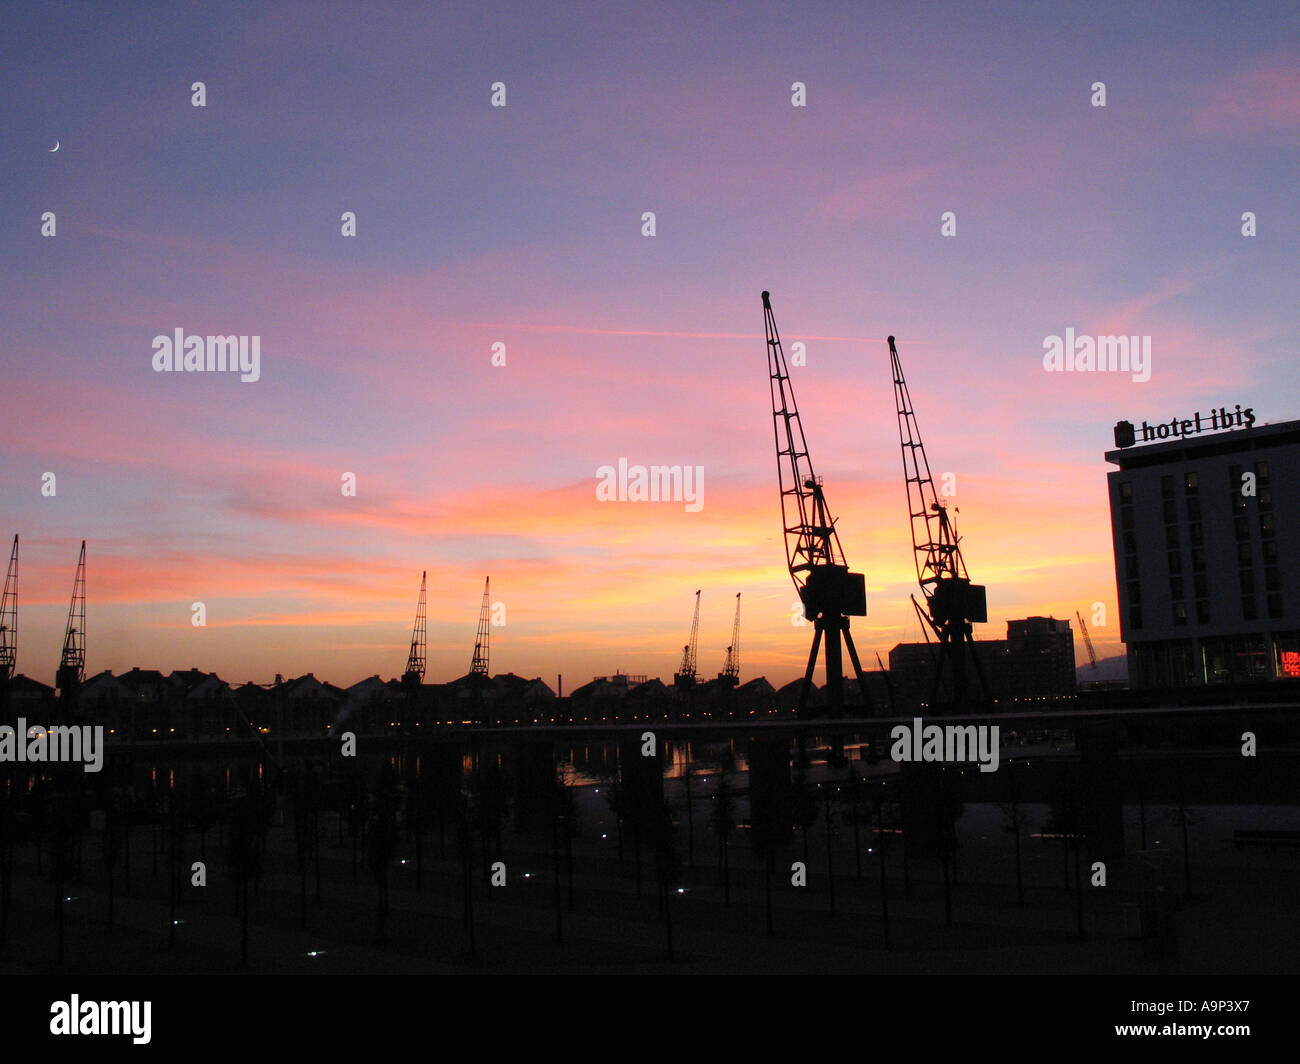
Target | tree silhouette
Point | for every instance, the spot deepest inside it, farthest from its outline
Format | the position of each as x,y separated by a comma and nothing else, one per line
803,806
381,839
244,854
723,817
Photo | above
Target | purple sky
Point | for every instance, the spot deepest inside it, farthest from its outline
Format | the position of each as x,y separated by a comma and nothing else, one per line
523,225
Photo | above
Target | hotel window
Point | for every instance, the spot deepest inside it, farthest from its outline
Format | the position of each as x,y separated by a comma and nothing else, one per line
1194,509
1126,517
1194,533
1248,611
1202,611
1130,543
1167,487
1131,567
1180,613
1135,617
1241,527
1275,605
1171,511
1198,559
1270,551
1191,483
1175,562
1201,585
1171,537
1266,526
1243,553
1176,587
1126,491
1261,473
1134,591
1246,578
1272,582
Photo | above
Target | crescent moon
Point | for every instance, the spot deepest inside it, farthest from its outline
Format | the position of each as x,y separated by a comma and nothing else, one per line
56,146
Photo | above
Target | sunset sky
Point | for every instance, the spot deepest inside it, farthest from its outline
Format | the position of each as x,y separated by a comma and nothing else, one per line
522,225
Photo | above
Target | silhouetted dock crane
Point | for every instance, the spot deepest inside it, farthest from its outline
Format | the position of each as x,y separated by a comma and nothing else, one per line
829,592
9,620
952,602
479,665
478,669
72,663
413,677
684,678
730,674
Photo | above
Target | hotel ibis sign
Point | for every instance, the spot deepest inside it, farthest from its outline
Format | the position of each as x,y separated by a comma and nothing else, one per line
1126,434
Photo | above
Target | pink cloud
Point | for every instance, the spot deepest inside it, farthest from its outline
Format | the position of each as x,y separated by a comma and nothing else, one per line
1262,99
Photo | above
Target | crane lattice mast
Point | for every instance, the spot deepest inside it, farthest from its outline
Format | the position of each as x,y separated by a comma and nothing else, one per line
952,602
9,619
415,660
829,592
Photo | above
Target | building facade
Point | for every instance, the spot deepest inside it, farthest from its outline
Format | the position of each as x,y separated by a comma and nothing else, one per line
1205,528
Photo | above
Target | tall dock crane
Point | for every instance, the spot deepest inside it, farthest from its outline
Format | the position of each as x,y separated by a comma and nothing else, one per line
952,602
829,592
684,678
414,674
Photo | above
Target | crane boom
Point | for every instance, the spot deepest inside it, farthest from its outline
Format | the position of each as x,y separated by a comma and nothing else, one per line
9,619
1087,640
810,537
952,602
935,545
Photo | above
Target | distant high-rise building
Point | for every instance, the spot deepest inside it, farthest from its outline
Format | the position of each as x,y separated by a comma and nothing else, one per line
1034,665
1205,526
